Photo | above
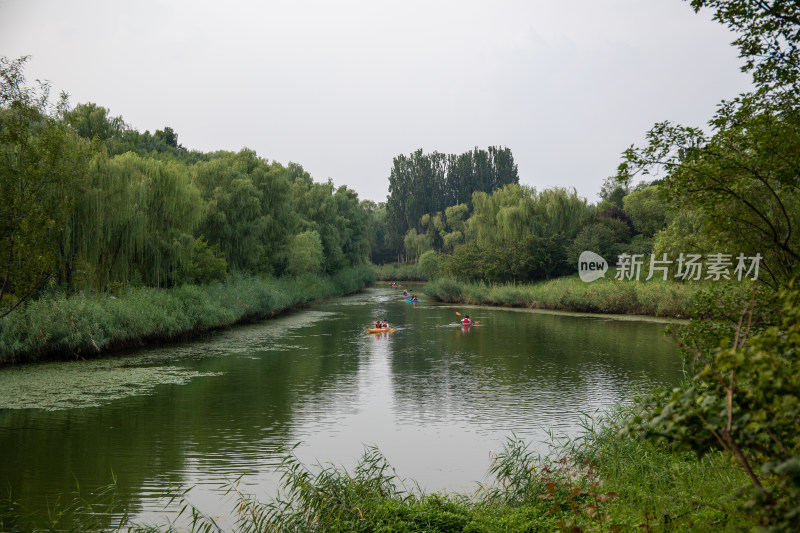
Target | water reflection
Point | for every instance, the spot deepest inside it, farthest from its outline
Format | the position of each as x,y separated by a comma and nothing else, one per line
434,397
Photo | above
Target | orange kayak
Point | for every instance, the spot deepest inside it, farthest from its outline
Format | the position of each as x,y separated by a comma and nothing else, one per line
379,330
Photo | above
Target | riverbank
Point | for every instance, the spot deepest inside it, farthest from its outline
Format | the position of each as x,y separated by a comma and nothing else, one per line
60,327
653,298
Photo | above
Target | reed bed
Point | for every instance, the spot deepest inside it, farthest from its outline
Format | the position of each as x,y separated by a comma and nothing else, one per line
398,272
61,326
654,298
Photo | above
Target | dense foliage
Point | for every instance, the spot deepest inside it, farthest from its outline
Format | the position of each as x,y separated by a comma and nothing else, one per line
90,204
41,163
425,184
739,183
743,399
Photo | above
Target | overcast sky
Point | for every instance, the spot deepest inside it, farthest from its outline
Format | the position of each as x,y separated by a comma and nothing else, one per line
342,87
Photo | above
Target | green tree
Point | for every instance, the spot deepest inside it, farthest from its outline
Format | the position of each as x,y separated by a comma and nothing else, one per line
742,176
342,222
93,122
206,265
455,227
305,254
612,192
767,38
428,264
606,236
416,244
647,210
136,217
250,216
742,179
380,252
40,160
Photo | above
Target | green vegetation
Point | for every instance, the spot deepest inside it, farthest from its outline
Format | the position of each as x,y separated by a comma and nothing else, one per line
170,242
90,203
656,298
81,326
398,272
424,184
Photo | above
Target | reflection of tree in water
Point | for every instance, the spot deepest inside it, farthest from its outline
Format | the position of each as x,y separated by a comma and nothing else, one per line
550,366
231,423
270,384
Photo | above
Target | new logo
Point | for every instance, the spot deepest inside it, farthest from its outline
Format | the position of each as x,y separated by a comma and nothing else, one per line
591,266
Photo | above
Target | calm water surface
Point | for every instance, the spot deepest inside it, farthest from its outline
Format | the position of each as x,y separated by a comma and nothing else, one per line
434,398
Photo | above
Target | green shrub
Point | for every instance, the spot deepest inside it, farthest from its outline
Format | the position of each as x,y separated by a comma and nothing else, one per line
445,290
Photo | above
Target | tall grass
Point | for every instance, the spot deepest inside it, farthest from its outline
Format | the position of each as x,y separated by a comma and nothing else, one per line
58,326
659,487
398,272
656,298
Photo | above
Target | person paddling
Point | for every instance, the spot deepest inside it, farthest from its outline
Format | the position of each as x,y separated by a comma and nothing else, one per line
466,321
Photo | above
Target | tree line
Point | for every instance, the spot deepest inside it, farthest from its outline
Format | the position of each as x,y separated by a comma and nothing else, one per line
423,184
89,203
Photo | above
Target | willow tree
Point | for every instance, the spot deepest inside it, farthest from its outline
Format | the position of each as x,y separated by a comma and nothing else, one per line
249,213
517,226
305,255
39,158
455,219
135,221
422,184
341,221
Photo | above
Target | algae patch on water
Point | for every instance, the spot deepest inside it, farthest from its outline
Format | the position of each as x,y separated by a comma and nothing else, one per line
90,383
79,384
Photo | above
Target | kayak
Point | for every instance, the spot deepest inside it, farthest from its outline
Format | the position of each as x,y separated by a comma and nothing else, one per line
379,330
410,300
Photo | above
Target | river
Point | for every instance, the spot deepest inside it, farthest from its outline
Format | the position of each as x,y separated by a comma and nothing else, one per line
436,399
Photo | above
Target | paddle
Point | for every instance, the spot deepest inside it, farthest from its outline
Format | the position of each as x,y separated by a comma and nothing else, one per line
473,321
